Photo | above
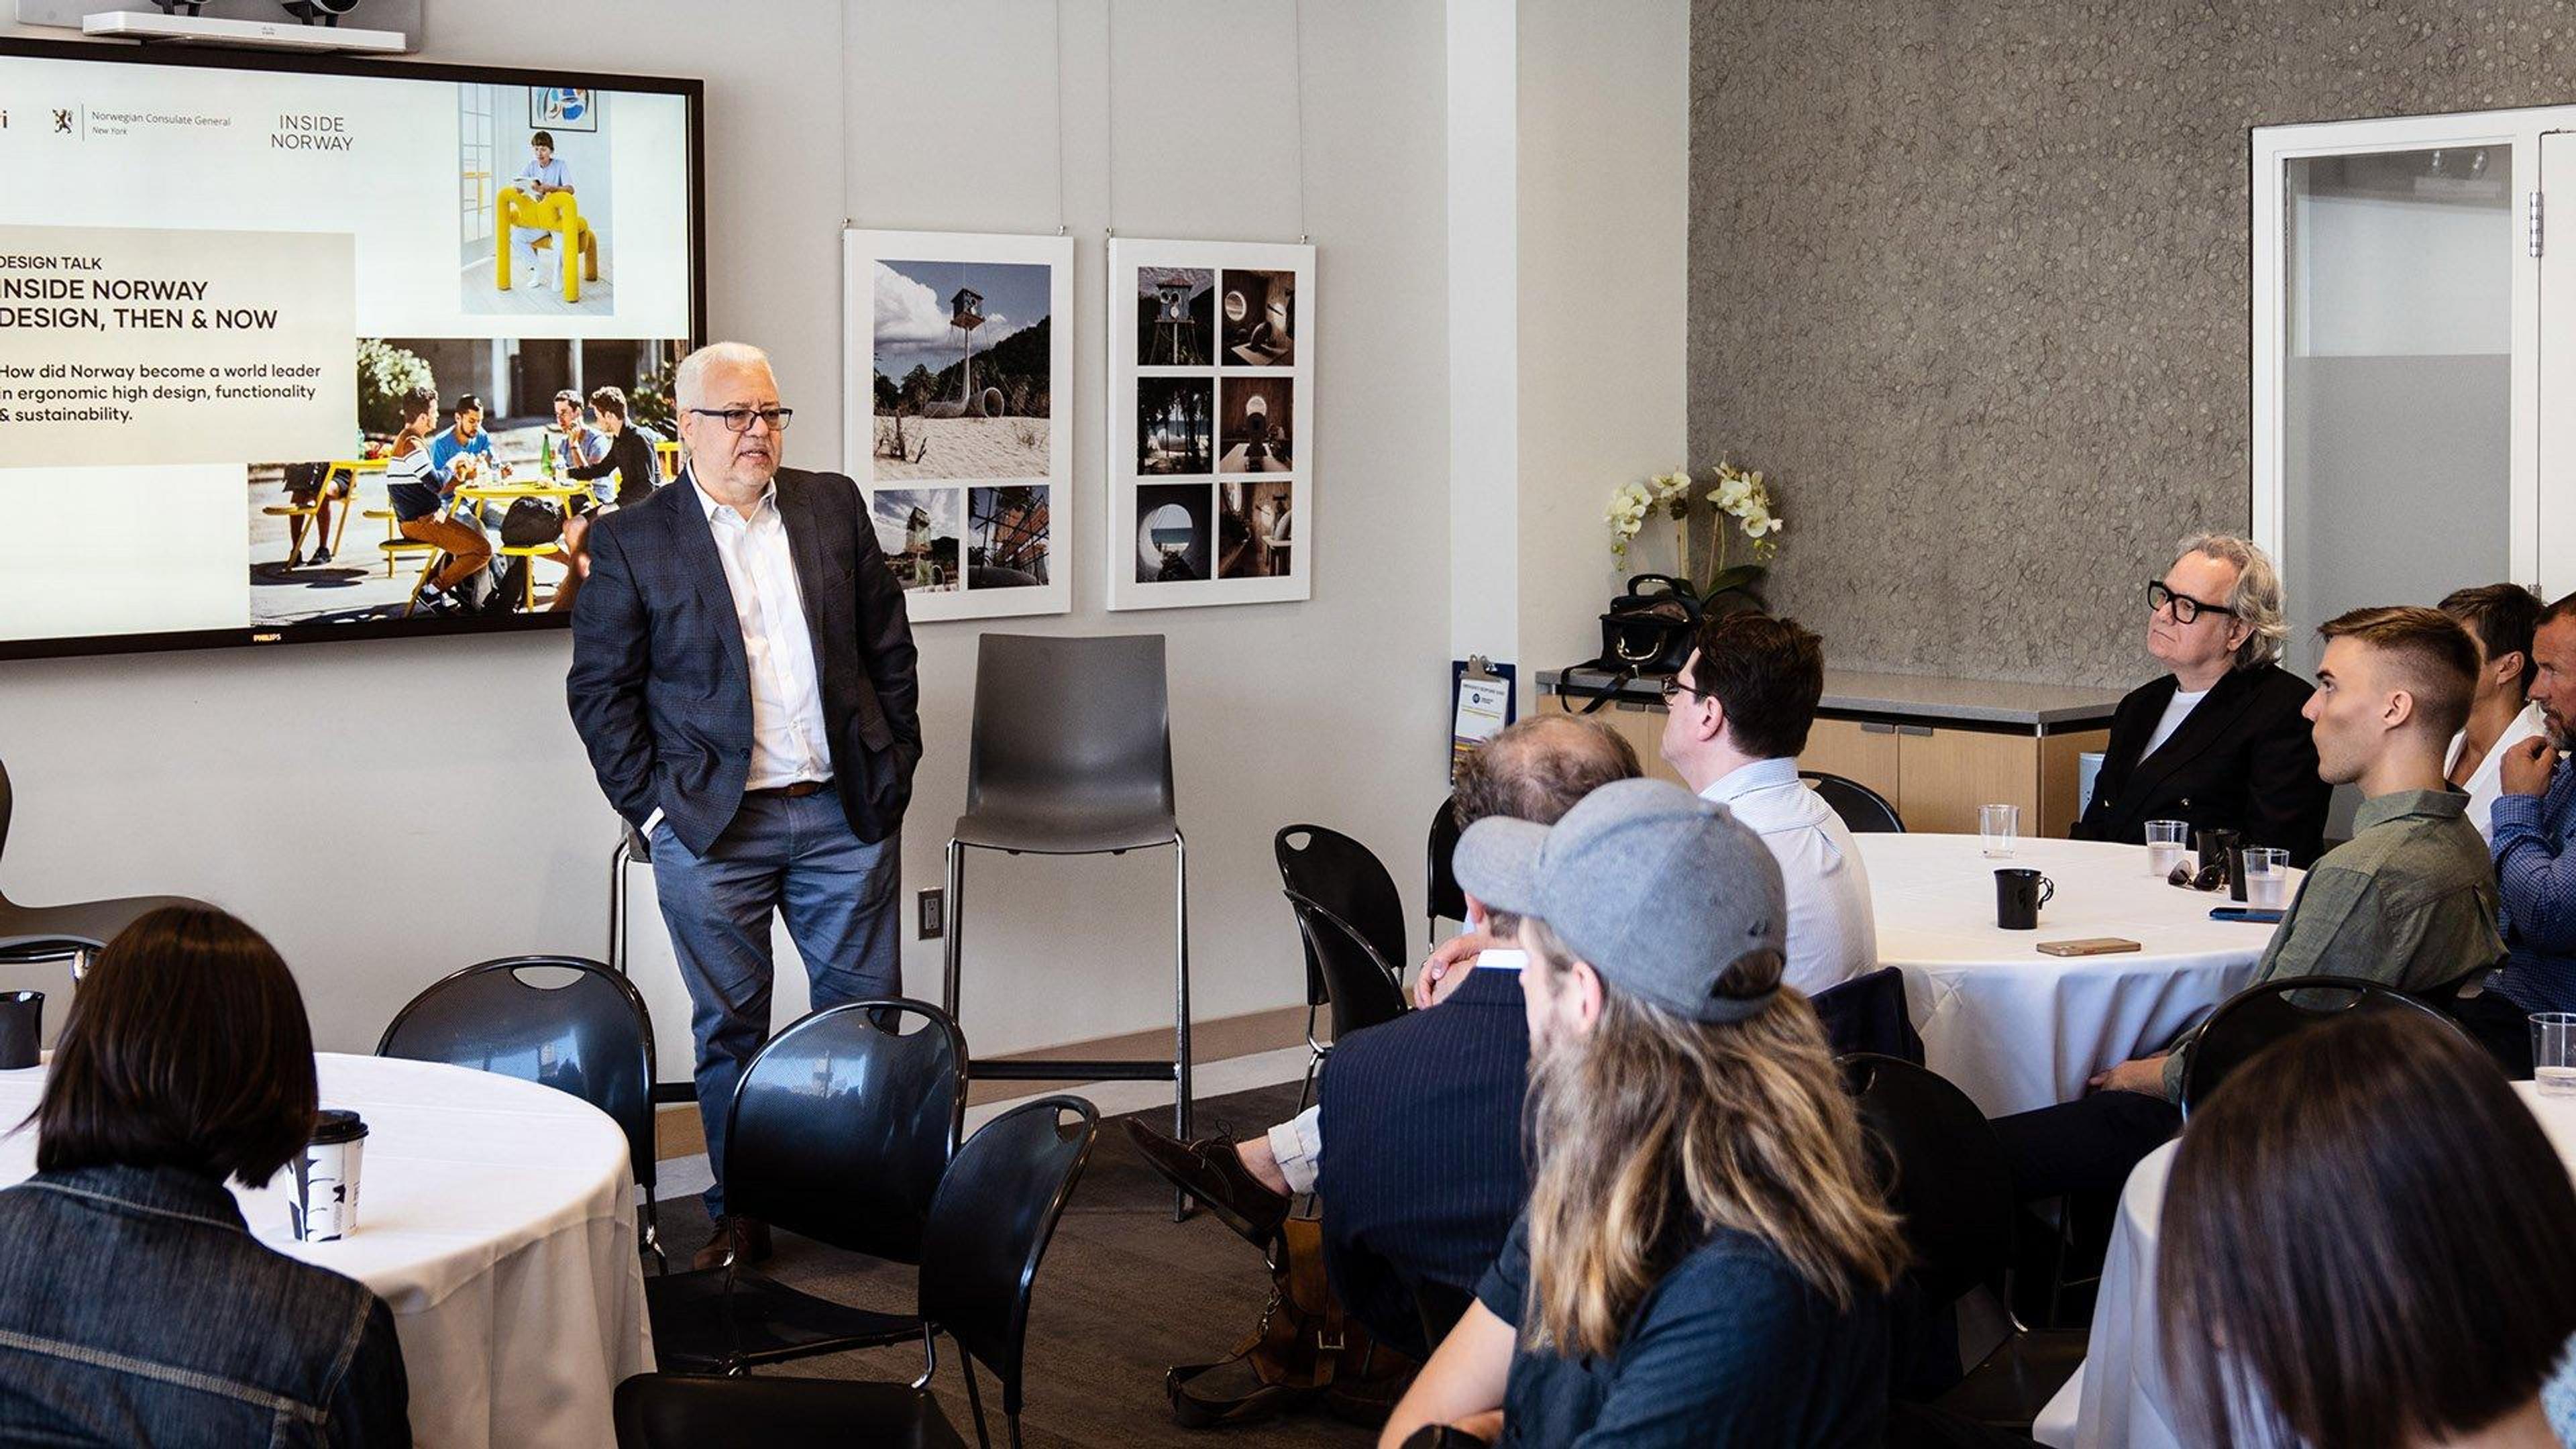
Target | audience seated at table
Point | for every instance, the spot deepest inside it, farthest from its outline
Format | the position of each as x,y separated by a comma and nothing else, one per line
1704,1259
419,500
135,1306
2533,820
1421,1114
1736,717
2499,618
2366,1244
2409,901
2218,742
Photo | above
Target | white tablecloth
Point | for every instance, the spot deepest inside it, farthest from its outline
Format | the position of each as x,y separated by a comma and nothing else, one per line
2016,1029
2120,1399
495,1218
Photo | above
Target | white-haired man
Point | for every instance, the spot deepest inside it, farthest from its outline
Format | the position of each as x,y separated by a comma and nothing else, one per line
742,675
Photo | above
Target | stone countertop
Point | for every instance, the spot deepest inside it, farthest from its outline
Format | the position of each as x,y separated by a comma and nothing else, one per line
1919,696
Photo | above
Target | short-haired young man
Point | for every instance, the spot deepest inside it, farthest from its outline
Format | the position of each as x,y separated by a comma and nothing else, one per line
1414,1140
2409,901
1735,719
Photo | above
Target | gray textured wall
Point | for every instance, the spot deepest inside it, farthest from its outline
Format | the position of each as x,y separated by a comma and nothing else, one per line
1969,278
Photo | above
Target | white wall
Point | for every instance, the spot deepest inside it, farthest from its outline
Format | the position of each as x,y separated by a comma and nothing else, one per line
1604,161
390,812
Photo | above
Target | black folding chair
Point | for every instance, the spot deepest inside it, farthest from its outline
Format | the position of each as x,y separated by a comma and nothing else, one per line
840,1131
1864,811
1352,923
989,1229
2269,1011
1442,898
73,932
588,1036
1944,1173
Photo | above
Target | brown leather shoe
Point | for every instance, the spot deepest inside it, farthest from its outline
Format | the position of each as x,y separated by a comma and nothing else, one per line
746,1238
1213,1172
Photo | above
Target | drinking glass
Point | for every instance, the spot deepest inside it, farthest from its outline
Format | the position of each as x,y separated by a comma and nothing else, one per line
2553,1052
1996,826
2267,877
2165,841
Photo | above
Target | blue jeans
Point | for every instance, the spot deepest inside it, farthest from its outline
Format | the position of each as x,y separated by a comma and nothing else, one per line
800,859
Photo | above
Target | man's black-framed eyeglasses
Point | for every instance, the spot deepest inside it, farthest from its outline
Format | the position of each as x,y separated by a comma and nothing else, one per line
2185,607
738,420
1673,688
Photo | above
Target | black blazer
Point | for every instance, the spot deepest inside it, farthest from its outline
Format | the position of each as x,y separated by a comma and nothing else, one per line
2243,760
1422,1174
659,689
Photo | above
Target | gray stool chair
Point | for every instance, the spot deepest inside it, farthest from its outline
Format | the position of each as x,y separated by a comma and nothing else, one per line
75,932
1072,755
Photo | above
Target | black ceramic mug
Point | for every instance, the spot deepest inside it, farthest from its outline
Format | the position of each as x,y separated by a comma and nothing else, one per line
22,1029
2019,893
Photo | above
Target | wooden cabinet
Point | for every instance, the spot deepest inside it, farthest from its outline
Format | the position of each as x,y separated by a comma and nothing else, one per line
1936,775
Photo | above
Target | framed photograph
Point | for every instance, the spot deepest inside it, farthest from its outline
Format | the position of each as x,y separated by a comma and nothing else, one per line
562,108
1211,423
959,353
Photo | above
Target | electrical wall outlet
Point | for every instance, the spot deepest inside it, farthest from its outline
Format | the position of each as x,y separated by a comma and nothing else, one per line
933,908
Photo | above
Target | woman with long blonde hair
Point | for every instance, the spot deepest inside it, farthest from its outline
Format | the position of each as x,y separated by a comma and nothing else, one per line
1704,1260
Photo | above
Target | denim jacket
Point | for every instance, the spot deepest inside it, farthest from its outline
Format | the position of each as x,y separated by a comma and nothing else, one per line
137,1309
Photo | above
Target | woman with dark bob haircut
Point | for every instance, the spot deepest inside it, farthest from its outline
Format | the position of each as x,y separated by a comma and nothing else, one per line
2368,1245
135,1306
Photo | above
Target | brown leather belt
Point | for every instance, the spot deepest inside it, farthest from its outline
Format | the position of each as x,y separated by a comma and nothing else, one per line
797,791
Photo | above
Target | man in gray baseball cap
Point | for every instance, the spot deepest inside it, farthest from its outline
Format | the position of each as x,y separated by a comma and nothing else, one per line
1649,888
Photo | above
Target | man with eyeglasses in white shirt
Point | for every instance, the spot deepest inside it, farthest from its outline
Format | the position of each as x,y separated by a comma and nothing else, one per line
743,678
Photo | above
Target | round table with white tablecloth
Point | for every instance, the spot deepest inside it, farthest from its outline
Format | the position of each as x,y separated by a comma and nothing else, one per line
2019,1030
2119,1399
496,1219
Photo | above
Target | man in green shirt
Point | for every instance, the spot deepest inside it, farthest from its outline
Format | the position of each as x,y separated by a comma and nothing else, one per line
2409,901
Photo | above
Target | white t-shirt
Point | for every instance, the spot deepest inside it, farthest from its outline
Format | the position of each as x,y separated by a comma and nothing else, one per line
2175,713
1833,933
2486,782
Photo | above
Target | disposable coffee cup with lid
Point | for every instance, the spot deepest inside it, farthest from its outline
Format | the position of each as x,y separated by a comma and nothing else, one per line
325,1208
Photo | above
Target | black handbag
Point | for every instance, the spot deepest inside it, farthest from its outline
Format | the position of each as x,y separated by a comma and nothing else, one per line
530,521
1648,630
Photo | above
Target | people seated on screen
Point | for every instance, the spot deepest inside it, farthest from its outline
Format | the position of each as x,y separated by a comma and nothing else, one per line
577,441
2410,901
1414,1139
2365,1244
320,487
2217,741
542,176
136,1305
2499,618
628,457
2532,823
1705,1258
462,452
1736,717
420,507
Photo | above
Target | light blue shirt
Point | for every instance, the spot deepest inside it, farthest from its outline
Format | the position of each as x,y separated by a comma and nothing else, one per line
552,173
1833,932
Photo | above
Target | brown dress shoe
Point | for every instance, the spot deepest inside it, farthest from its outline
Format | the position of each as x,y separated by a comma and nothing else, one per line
1213,1172
746,1238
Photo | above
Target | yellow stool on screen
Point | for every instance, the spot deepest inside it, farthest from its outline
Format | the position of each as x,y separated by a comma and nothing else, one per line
557,214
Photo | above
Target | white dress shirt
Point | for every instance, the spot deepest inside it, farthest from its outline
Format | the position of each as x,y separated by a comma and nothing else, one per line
1833,935
2486,782
788,736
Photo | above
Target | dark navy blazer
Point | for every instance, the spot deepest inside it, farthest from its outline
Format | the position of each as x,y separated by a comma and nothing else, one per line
1422,1172
661,693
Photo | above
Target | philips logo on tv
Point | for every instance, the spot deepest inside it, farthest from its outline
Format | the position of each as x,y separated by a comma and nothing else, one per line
300,132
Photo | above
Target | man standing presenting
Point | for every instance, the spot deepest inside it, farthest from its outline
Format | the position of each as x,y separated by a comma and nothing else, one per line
742,675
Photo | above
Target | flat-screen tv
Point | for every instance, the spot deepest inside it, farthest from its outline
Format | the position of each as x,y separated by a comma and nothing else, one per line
227,279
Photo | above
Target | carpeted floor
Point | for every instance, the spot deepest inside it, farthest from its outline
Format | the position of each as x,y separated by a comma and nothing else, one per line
1123,1294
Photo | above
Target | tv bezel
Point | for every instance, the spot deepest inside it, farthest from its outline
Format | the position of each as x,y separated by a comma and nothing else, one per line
205,58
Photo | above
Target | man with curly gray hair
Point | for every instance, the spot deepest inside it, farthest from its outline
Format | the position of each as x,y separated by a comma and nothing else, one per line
2218,741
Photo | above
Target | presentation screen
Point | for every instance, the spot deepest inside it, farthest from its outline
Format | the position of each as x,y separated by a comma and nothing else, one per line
297,349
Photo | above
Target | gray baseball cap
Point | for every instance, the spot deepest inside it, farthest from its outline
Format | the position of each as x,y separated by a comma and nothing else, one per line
1659,890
